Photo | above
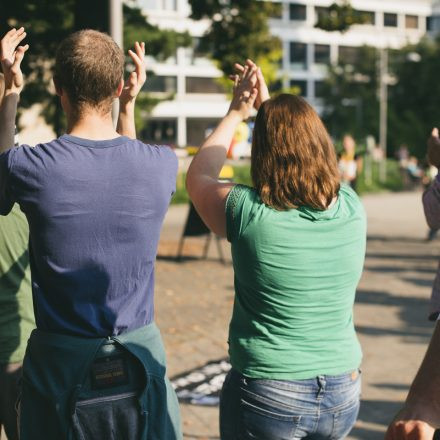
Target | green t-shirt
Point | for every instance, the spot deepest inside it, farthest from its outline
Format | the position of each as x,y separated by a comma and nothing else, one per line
296,274
16,310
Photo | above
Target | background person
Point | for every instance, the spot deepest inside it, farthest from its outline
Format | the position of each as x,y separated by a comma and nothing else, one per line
298,245
350,164
95,202
16,310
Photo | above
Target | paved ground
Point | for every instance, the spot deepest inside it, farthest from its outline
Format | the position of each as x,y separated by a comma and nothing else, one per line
194,301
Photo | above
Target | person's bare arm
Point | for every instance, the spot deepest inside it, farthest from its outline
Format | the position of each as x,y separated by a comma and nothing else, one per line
132,87
11,55
207,194
421,414
431,197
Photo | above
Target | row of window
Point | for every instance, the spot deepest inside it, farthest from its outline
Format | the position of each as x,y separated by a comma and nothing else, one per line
298,12
321,55
168,84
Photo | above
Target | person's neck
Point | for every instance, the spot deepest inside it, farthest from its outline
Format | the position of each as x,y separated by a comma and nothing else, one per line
92,125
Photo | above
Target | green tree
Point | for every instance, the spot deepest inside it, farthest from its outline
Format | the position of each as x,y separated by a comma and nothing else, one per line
239,30
350,95
48,22
414,100
339,17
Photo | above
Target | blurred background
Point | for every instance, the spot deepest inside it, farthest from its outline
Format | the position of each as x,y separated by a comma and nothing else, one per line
369,67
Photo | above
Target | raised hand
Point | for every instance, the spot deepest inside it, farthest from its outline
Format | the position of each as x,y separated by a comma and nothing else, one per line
11,56
137,78
245,93
434,148
263,91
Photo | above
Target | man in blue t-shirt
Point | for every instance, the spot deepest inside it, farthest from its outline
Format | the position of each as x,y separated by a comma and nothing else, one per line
95,202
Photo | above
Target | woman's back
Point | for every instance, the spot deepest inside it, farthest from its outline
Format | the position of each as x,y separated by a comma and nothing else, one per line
296,273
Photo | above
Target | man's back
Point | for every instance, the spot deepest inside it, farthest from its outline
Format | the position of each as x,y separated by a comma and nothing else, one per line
95,209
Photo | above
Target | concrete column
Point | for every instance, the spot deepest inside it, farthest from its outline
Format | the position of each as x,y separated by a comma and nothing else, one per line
181,131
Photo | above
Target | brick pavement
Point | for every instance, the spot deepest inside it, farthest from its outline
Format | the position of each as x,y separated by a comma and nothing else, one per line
194,302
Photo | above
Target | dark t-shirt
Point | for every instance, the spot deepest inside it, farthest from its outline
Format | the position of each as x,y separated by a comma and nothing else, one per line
95,210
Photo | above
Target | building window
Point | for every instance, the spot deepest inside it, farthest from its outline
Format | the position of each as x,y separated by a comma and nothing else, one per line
297,12
158,5
368,17
197,129
411,21
390,20
202,85
348,54
319,89
160,131
298,56
321,11
299,87
161,84
322,54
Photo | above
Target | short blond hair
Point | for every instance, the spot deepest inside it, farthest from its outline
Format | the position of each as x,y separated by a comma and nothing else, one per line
2,87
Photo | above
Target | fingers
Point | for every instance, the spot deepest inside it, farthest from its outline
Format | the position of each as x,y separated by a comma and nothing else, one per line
138,57
252,97
435,132
238,67
19,54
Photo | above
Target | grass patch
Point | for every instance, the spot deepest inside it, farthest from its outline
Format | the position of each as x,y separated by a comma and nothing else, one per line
242,175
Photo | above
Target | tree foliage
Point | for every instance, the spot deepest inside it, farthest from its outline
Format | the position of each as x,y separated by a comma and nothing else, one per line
350,95
47,22
339,17
414,99
239,30
351,103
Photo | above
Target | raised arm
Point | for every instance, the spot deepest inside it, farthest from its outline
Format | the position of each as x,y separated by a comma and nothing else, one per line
207,194
11,55
132,87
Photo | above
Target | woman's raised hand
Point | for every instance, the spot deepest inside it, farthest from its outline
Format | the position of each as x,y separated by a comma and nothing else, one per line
263,91
245,93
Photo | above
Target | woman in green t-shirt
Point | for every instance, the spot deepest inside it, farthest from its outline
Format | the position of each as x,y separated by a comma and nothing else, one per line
298,246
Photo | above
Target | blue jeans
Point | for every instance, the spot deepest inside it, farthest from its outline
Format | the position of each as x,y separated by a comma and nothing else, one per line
325,407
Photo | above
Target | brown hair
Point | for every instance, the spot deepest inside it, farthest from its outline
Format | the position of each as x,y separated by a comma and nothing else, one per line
293,160
89,66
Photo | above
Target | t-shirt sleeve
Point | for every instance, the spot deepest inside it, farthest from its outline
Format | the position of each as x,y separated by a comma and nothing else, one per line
172,167
7,199
240,205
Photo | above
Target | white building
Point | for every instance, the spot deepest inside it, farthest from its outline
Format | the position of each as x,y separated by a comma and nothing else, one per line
198,102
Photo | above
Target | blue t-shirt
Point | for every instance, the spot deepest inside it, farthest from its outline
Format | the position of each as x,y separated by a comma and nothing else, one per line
95,210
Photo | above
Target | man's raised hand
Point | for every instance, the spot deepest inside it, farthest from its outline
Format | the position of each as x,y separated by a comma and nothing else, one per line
137,78
11,56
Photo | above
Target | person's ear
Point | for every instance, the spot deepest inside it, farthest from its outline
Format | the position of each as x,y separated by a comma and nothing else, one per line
120,87
58,89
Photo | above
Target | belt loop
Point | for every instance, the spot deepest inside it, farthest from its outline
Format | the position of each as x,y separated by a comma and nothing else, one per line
321,384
